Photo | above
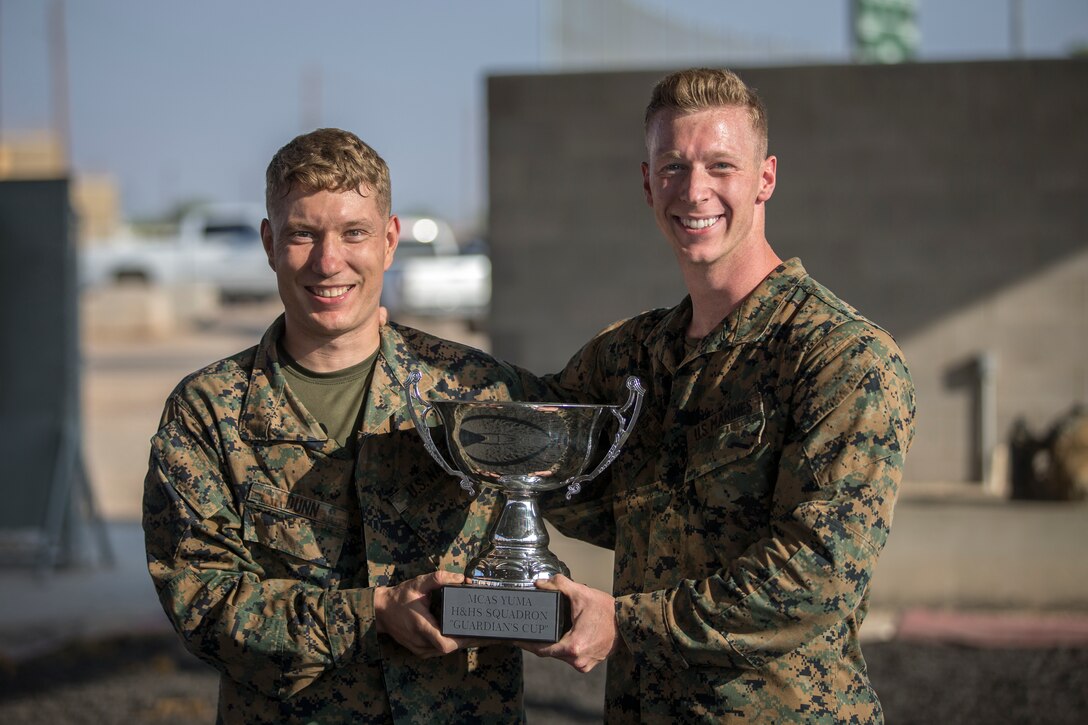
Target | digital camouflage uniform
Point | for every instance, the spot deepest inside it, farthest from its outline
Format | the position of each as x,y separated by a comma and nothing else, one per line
748,507
264,546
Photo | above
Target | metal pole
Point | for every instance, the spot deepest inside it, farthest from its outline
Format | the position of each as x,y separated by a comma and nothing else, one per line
852,32
987,389
1,78
311,92
1016,28
58,46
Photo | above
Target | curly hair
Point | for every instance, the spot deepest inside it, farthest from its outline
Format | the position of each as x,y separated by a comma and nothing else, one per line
328,159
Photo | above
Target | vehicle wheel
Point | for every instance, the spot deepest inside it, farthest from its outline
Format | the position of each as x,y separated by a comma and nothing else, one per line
131,276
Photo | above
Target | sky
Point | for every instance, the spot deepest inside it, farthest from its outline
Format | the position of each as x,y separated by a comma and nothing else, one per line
189,100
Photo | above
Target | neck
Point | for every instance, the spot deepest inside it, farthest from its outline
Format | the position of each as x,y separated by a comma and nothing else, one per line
717,291
332,354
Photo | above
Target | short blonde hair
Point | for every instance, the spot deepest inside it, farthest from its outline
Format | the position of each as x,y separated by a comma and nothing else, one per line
328,159
699,89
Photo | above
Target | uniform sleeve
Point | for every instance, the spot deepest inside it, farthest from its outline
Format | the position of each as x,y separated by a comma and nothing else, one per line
837,480
275,635
586,516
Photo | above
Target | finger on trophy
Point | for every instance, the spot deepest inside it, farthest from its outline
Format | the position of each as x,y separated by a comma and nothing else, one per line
540,649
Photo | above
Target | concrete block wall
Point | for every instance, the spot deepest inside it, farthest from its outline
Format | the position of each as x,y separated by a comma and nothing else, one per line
945,201
572,242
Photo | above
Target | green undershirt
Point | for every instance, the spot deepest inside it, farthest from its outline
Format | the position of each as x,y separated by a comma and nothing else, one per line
334,399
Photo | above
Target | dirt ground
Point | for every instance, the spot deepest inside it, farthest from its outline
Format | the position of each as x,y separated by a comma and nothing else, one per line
153,680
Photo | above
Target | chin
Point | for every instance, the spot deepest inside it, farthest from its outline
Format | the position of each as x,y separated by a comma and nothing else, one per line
701,252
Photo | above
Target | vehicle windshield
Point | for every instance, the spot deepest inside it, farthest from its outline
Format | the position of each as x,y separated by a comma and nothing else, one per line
413,248
233,233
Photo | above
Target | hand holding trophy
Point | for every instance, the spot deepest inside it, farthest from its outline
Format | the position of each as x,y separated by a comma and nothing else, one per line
521,449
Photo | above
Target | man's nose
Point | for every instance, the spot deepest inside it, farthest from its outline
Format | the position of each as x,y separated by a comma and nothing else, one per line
328,256
696,186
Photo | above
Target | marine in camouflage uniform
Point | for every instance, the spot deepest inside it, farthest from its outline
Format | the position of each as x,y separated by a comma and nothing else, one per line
748,507
265,545
300,563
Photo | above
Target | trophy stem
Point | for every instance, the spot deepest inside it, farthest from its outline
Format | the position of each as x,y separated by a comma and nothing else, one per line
517,554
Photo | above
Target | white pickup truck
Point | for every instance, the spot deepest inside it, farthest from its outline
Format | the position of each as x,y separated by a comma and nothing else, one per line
431,277
217,244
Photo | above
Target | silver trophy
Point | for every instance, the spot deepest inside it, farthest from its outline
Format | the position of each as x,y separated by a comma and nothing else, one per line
522,450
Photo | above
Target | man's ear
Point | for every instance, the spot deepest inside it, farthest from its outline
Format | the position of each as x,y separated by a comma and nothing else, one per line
647,192
392,238
266,242
769,175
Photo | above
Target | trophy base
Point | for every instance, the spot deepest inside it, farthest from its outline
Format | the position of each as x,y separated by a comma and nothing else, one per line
501,613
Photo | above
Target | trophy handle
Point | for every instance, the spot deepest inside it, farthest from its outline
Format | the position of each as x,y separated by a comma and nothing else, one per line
411,388
634,403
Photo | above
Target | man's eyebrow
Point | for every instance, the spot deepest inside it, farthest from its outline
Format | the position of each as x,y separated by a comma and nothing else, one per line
299,221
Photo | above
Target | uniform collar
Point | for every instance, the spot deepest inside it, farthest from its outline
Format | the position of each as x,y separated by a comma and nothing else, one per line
749,322
386,406
271,412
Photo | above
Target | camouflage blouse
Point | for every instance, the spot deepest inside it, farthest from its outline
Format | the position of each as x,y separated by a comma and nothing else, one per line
265,540
749,506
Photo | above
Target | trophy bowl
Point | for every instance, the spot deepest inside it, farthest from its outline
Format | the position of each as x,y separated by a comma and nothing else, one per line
521,450
520,446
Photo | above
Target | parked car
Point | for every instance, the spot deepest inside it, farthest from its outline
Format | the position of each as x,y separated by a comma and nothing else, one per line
432,277
218,244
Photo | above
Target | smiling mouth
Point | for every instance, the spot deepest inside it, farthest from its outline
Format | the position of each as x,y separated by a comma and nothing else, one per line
330,292
689,223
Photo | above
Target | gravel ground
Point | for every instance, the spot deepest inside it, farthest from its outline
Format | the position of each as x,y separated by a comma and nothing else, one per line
151,679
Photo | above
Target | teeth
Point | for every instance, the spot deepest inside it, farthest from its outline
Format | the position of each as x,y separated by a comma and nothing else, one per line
698,223
329,291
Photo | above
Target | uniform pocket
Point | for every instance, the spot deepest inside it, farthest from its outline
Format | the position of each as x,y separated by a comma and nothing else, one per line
727,473
710,447
301,527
